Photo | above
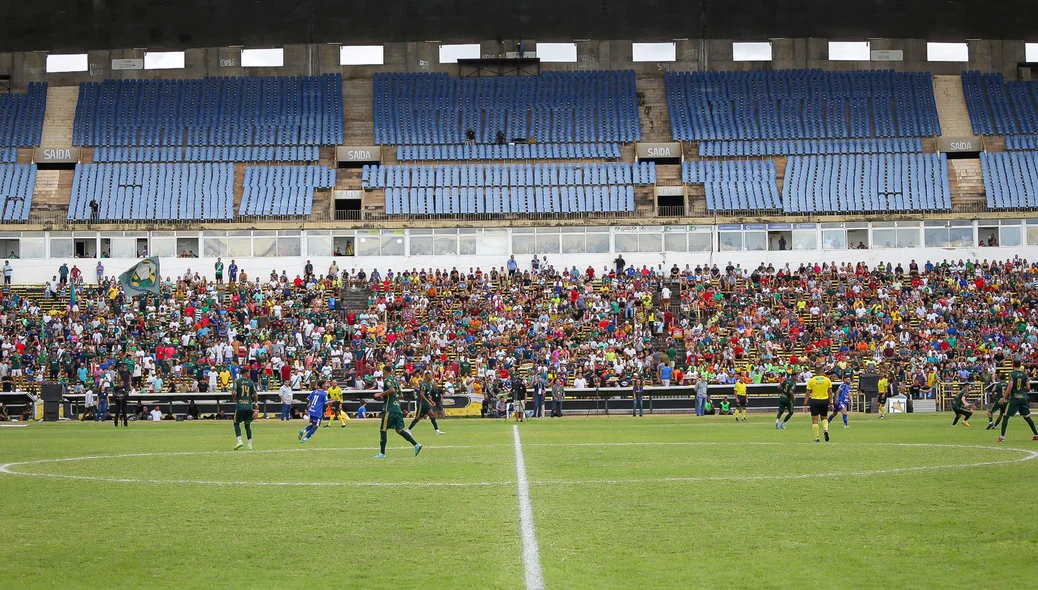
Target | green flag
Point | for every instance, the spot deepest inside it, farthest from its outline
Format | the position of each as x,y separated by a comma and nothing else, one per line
142,278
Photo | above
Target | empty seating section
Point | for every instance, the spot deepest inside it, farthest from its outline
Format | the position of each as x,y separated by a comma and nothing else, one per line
735,185
454,189
809,147
554,107
999,107
513,151
139,192
866,183
1022,143
9,155
21,116
800,104
290,153
1010,179
243,111
17,182
283,190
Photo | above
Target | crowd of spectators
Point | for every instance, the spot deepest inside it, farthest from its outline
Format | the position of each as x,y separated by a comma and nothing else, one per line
482,332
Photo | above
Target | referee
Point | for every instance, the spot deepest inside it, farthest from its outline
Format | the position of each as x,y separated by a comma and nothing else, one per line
819,401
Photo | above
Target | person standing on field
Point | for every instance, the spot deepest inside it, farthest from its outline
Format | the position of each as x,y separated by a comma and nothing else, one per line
557,394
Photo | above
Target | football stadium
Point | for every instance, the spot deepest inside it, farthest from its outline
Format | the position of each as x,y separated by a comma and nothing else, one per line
453,294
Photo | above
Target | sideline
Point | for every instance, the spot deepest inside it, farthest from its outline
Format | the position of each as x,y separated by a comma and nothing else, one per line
531,554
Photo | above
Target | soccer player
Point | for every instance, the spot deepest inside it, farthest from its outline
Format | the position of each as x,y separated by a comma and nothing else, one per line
335,397
883,386
245,400
1016,398
425,403
315,405
962,407
392,416
119,408
998,388
818,401
785,400
740,397
843,401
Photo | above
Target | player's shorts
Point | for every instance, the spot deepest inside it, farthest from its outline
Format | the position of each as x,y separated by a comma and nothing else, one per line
785,406
819,407
959,408
997,407
315,421
439,405
882,399
244,416
392,421
740,401
1018,405
424,410
336,408
841,407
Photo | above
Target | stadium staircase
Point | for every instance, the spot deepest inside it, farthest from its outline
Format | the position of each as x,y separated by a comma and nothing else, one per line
357,105
652,102
966,181
951,106
52,192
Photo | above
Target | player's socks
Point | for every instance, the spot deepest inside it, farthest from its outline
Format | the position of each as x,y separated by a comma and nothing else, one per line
435,426
825,430
407,436
237,431
1031,424
248,432
413,423
382,443
1004,424
250,444
845,421
788,416
814,429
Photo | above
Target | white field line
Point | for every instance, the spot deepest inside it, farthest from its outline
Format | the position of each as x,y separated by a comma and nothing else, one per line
531,554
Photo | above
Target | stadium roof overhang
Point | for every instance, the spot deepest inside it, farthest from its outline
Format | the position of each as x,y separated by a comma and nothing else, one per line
78,25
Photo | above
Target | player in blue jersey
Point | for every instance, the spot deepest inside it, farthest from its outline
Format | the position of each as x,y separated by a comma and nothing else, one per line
315,405
843,401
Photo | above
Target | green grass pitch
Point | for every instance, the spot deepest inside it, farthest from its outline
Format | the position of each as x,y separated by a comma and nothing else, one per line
618,502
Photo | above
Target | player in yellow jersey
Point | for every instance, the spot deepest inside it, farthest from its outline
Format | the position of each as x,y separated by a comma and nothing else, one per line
881,402
335,401
740,396
819,400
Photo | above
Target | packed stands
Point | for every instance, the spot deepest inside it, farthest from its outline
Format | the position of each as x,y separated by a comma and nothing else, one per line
554,107
21,117
242,111
866,183
735,185
510,151
800,104
17,182
283,190
167,192
288,153
1010,179
999,107
497,188
809,147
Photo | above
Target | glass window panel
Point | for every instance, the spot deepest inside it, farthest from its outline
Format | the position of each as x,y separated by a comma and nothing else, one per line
264,232
987,235
421,245
214,246
393,245
805,239
1010,235
597,243
961,237
368,246
700,242
548,244
1032,234
730,241
756,240
265,247
523,244
289,247
239,247
752,51
61,248
161,247
908,238
936,237
626,242
31,247
495,243
883,238
650,243
123,248
319,245
467,245
446,245
675,242
573,243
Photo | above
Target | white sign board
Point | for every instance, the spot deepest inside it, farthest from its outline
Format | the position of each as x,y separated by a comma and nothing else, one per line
127,64
887,55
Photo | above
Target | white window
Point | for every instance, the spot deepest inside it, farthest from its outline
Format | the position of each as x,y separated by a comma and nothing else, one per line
1031,52
262,58
654,52
164,60
450,54
849,51
947,52
362,55
755,51
557,52
71,62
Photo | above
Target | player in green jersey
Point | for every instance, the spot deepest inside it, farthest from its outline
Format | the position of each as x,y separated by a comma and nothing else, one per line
785,401
425,404
392,416
245,400
962,407
1016,398
998,389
